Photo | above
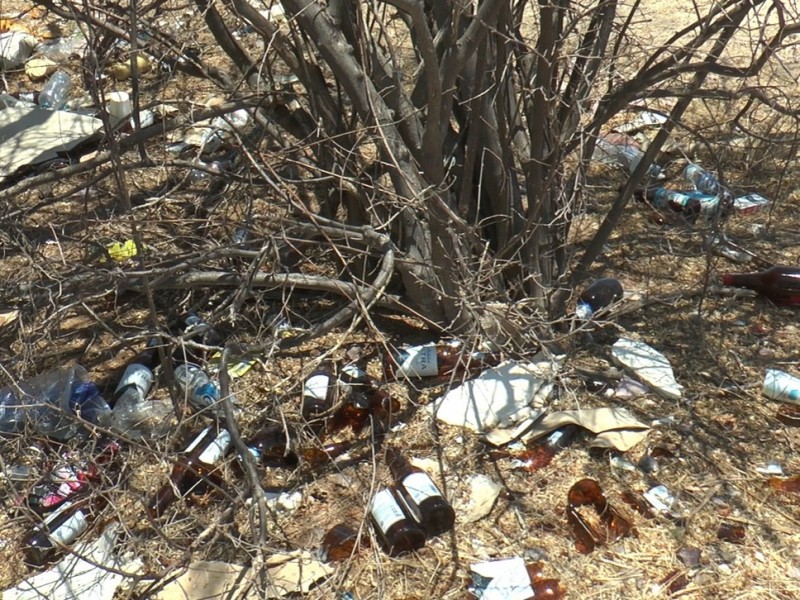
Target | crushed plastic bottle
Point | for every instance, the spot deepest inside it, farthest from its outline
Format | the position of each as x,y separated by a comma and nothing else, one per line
53,403
55,92
623,150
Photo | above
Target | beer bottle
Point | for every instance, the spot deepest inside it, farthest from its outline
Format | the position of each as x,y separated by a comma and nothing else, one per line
271,447
781,284
316,457
397,532
436,360
601,294
59,529
320,391
420,495
137,378
193,471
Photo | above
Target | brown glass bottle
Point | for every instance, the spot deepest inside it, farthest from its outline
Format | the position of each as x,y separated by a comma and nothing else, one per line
397,531
781,284
194,470
317,456
420,495
440,360
61,528
320,391
601,294
364,398
339,542
540,453
271,447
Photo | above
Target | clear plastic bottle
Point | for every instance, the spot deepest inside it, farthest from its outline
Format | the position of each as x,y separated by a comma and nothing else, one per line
601,294
198,389
702,180
621,149
55,92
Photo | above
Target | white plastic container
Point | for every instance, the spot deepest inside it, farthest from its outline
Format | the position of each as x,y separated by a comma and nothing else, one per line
118,105
779,385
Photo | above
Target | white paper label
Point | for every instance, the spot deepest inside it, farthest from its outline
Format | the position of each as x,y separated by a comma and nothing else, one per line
418,361
137,375
317,387
781,386
70,529
216,449
385,510
420,487
197,440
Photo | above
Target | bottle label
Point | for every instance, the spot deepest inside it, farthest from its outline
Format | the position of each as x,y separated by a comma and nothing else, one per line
317,387
70,529
136,375
197,440
420,487
205,395
385,510
216,449
418,361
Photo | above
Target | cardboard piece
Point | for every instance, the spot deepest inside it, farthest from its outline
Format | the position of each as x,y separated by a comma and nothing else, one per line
613,427
498,397
77,576
29,136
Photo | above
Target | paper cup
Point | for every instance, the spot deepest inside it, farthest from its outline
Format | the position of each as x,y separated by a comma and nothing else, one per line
118,105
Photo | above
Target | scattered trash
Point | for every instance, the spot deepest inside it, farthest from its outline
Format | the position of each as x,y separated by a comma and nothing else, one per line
673,582
781,284
734,533
63,48
118,106
204,580
15,48
196,472
627,389
436,360
499,397
512,579
39,68
621,149
122,70
56,404
771,468
613,427
340,542
541,453
419,495
690,556
32,136
92,572
396,530
647,365
55,92
61,528
779,385
601,294
483,493
604,525
645,118
121,251
785,485
661,499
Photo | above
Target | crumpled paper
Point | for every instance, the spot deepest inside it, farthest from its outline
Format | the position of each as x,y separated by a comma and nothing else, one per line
613,427
78,576
499,396
483,493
